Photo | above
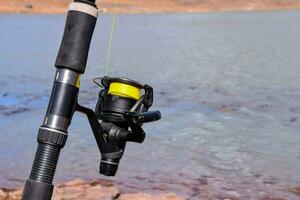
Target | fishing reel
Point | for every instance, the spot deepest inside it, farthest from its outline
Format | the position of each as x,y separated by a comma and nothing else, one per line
120,112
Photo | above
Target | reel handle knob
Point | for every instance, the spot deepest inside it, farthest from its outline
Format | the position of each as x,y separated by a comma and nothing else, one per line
144,117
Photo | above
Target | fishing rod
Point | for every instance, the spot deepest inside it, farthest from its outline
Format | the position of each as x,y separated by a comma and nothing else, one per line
121,110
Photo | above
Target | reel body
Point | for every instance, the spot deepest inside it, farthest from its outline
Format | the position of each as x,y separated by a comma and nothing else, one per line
120,104
119,115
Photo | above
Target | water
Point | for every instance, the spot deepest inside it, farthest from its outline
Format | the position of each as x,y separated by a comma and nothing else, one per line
226,83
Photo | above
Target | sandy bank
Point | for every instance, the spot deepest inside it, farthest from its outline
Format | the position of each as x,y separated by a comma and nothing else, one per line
79,189
154,6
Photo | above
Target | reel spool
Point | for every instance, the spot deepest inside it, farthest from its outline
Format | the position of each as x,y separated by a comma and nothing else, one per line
122,97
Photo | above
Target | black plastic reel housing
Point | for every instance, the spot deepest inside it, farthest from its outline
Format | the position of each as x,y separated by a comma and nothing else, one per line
113,111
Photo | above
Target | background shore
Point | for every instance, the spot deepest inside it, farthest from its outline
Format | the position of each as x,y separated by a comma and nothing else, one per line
154,6
227,84
79,189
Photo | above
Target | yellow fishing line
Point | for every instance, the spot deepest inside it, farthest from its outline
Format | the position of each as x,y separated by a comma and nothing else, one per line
113,25
124,90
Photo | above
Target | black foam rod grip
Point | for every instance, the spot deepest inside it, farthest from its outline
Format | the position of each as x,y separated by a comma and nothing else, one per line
79,28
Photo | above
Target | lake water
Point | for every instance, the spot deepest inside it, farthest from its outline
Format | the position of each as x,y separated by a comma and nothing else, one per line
227,85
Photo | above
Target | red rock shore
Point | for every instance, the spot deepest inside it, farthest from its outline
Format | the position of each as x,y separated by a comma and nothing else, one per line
153,6
93,190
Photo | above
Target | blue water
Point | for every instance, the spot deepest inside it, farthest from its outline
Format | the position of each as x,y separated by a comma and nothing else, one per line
226,83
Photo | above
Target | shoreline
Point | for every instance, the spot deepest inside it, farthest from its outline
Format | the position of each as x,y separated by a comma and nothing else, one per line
149,13
78,189
155,6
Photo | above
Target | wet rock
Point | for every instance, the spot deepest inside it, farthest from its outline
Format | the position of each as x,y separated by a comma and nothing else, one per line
192,87
15,179
3,194
15,195
225,198
271,198
94,190
15,111
142,196
295,109
229,108
29,6
2,83
269,182
79,189
162,93
263,107
293,119
295,190
8,194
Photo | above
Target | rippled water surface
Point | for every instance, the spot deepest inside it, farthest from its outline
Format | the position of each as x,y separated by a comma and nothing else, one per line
226,83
